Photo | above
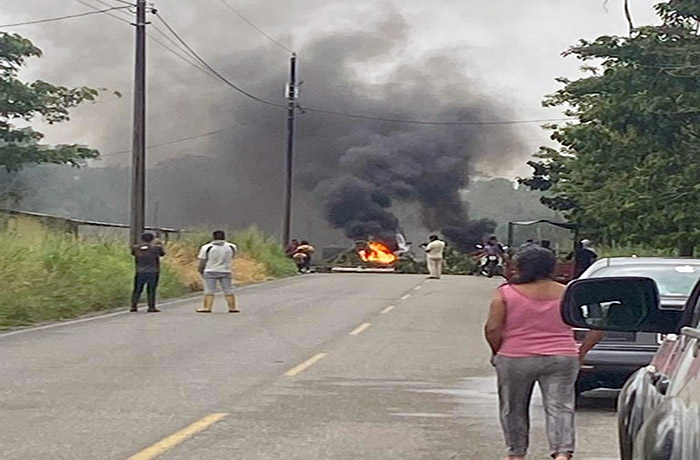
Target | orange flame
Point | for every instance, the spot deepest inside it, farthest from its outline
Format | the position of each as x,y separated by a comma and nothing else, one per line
377,253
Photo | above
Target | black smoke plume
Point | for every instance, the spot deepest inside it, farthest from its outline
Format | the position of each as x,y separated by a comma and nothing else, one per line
353,172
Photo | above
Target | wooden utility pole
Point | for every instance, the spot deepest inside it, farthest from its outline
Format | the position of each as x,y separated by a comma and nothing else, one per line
292,94
138,163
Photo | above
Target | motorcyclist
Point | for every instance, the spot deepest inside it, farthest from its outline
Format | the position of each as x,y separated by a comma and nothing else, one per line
492,248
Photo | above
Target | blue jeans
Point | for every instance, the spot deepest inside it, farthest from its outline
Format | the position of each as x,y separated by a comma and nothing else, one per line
150,282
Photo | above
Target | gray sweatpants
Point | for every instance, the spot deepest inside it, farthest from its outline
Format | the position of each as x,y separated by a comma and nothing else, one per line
556,376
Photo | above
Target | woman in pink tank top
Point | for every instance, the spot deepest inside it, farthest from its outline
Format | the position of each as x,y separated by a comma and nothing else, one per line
532,344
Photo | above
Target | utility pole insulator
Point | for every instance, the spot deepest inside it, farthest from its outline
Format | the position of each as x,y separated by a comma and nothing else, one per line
138,163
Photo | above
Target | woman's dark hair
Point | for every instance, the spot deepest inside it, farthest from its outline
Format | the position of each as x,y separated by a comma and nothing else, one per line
147,237
534,263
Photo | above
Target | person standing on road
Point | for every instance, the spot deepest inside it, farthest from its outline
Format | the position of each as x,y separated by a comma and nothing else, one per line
215,261
434,251
147,256
532,344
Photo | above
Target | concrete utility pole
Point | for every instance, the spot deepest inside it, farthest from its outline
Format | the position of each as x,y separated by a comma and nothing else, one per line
292,94
138,163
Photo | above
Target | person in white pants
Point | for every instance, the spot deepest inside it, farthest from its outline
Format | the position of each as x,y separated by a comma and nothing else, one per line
434,251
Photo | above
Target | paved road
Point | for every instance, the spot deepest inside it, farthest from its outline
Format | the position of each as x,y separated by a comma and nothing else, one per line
409,382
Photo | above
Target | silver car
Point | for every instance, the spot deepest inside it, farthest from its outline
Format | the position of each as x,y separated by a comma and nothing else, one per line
621,354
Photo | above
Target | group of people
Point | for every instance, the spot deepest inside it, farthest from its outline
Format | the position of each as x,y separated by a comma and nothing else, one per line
530,344
215,261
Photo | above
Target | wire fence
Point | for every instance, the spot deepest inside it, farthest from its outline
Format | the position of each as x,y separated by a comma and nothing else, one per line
11,219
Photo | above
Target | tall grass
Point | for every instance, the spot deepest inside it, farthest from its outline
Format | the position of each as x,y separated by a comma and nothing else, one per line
47,277
253,243
58,277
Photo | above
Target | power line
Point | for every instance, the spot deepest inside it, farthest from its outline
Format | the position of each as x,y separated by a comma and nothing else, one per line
125,3
251,24
176,141
343,114
156,40
61,18
427,122
213,70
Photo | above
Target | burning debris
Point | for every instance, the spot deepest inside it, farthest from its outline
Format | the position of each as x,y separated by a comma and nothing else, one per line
378,253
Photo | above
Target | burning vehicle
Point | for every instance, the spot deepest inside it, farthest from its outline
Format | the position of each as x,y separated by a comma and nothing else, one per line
373,255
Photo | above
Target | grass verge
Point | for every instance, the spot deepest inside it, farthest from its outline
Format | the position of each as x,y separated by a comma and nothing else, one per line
50,277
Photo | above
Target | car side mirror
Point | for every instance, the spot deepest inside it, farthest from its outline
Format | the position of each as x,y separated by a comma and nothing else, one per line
625,304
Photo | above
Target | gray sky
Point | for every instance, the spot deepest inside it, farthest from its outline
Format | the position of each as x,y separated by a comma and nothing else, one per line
512,48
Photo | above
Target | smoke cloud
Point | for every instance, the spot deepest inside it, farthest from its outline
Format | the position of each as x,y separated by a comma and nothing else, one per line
354,173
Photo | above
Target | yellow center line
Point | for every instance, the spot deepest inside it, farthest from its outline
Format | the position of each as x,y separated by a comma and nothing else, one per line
388,309
181,436
360,328
305,365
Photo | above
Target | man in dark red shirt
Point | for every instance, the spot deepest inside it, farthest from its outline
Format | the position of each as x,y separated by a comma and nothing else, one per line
147,257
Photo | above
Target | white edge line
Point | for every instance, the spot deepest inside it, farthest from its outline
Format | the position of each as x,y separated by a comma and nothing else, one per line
360,328
388,309
406,297
418,288
122,312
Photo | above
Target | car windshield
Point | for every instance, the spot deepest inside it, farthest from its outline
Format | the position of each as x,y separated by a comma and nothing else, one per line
673,280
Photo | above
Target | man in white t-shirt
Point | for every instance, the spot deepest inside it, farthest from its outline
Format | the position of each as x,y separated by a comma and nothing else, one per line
215,261
434,251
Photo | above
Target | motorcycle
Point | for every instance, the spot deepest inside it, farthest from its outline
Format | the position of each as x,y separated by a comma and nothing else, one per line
490,265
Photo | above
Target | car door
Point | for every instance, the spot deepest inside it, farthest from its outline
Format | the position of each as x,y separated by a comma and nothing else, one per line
644,391
672,432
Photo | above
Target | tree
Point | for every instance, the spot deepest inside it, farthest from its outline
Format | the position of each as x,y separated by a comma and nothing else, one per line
26,102
627,170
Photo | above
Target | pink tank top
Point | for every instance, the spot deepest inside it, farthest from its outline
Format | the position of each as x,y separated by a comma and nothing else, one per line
534,327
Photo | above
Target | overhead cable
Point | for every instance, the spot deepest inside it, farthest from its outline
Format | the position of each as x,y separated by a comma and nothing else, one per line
182,57
61,18
213,70
251,24
427,122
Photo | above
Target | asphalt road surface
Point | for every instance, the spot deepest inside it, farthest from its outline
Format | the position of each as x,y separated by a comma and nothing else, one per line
316,367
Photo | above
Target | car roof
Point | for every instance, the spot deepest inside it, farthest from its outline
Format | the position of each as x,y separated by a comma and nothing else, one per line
619,261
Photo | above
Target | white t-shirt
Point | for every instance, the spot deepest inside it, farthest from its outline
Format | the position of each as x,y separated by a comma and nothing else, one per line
435,249
218,255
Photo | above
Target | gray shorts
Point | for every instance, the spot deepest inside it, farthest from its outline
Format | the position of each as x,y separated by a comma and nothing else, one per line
211,279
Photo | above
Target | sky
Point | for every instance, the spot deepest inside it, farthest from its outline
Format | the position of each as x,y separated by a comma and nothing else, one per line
452,60
512,47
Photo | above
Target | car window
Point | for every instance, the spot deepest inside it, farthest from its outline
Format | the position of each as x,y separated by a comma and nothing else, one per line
673,280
